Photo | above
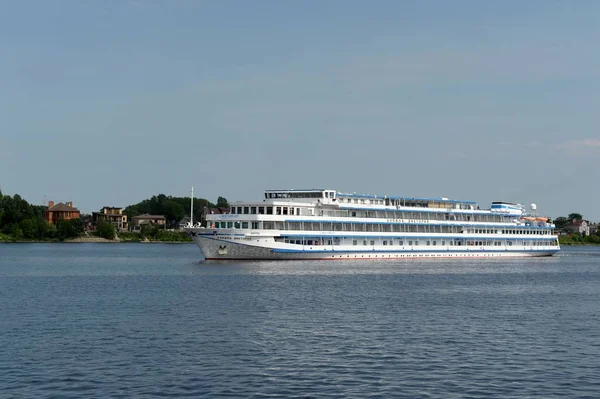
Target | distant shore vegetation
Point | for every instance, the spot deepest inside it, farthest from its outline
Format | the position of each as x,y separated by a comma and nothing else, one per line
21,221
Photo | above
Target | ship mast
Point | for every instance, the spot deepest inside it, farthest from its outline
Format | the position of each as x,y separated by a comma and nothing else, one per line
192,208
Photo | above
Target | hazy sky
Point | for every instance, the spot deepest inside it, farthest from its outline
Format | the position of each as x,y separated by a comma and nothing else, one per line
111,102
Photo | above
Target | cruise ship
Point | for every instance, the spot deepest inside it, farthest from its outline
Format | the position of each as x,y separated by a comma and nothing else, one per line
329,224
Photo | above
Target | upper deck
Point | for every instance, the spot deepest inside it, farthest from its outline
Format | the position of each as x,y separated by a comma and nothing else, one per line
327,197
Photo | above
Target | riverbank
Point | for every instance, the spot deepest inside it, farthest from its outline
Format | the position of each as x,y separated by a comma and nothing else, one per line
170,237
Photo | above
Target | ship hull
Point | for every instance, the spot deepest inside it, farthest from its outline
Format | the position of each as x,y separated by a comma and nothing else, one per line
217,249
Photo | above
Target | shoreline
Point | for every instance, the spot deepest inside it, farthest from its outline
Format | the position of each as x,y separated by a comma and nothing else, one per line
96,242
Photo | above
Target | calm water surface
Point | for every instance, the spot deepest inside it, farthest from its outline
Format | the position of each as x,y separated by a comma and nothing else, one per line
151,320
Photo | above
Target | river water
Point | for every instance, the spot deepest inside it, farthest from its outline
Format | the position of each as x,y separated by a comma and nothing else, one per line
152,320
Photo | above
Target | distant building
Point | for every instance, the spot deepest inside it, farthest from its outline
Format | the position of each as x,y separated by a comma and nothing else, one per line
60,211
155,220
183,223
111,215
88,225
594,227
578,226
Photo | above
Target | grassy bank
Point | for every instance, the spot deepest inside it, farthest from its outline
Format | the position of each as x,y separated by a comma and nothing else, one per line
125,237
575,239
159,236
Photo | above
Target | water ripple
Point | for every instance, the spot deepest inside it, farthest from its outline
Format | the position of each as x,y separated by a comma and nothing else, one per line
151,321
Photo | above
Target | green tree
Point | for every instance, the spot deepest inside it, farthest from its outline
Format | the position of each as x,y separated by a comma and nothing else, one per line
149,230
29,228
77,226
106,230
16,232
573,216
65,229
222,203
173,211
560,222
45,229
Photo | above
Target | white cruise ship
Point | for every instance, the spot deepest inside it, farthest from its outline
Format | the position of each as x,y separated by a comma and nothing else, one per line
328,224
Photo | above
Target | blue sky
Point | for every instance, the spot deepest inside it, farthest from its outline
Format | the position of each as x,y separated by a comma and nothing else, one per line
111,102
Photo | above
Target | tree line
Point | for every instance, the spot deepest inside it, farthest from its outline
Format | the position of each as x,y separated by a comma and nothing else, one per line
174,209
574,238
23,221
20,220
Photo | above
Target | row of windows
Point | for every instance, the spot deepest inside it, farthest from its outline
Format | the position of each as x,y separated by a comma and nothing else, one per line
410,243
369,227
264,210
382,214
511,231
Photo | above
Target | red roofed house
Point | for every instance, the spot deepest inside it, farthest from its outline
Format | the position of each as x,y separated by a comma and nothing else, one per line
54,213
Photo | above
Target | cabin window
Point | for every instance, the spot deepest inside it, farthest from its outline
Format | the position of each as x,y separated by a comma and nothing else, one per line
229,225
269,210
364,242
233,209
372,242
410,243
246,210
400,242
216,224
253,210
428,243
285,210
255,225
261,210
355,242
384,242
244,225
355,201
434,242
416,243
237,225
443,243
291,211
